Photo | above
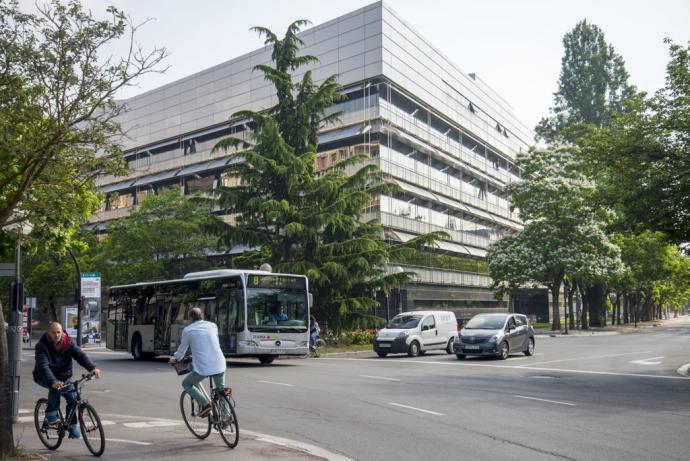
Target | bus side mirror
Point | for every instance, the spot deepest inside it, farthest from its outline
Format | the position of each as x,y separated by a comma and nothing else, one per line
310,300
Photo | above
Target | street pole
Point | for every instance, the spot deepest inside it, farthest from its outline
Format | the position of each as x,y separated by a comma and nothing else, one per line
78,298
14,335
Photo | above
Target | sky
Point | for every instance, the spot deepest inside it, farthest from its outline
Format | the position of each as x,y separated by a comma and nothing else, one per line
515,46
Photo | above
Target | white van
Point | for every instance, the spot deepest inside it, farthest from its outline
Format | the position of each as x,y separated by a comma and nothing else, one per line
417,332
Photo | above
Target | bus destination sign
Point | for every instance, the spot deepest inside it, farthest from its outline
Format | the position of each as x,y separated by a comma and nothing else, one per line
276,281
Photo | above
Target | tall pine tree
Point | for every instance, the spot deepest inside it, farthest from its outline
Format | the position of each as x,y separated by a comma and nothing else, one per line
297,219
592,86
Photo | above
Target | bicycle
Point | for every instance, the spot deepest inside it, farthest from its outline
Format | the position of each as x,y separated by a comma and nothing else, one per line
221,417
51,435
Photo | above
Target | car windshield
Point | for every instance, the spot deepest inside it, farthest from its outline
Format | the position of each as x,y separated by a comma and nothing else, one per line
404,321
486,322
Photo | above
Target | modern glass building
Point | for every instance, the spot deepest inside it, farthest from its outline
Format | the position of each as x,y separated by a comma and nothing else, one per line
447,139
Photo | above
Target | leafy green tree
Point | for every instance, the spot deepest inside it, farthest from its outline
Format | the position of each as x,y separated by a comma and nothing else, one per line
57,125
592,86
163,238
58,112
643,157
563,234
296,219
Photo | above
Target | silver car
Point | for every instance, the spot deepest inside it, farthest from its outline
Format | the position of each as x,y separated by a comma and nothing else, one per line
496,335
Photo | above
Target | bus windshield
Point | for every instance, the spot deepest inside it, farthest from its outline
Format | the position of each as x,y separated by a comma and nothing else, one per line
276,304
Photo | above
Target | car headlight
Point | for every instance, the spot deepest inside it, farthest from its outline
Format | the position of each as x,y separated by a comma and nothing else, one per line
493,339
403,334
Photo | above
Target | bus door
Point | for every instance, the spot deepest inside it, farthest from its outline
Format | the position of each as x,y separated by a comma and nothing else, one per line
230,315
117,318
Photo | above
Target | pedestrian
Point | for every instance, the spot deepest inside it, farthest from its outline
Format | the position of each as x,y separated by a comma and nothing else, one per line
53,369
313,332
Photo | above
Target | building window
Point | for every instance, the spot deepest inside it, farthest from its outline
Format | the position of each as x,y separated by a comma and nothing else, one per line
199,184
117,201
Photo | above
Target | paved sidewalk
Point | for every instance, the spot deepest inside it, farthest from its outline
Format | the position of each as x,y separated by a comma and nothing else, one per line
616,329
251,447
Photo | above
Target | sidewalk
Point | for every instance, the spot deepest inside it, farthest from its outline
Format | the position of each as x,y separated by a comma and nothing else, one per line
615,329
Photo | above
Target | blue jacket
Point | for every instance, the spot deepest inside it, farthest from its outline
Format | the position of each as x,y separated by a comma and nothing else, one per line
54,362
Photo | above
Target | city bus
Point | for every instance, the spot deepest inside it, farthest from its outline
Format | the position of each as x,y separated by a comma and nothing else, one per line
259,314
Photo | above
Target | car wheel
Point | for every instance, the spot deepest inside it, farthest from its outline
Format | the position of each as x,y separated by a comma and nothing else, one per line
449,347
503,350
460,356
382,354
413,350
530,348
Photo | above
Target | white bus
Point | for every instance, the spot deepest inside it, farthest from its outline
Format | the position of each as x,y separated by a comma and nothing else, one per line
259,314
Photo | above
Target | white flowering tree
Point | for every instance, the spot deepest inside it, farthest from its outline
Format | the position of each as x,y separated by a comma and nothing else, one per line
563,234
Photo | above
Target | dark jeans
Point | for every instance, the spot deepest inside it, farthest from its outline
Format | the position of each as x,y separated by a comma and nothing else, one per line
54,400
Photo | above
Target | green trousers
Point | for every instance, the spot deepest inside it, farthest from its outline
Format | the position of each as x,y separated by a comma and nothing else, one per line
193,378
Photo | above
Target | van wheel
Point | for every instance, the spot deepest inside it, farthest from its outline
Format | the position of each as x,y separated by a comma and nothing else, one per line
503,351
449,347
413,350
460,356
382,354
530,348
137,352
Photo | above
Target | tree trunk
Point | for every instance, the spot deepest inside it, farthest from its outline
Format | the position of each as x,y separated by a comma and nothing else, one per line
571,315
555,308
6,435
626,307
617,309
585,307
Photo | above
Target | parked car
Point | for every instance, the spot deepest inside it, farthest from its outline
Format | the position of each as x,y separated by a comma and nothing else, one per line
416,333
496,335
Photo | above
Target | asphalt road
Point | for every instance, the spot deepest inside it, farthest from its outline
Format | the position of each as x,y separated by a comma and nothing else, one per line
602,397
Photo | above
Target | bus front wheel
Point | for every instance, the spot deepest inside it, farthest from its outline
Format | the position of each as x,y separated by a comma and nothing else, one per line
137,349
266,359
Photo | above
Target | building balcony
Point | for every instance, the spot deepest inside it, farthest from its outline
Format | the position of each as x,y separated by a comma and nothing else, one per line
442,276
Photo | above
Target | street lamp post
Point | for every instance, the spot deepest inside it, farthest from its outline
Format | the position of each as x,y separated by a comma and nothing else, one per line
77,296
14,334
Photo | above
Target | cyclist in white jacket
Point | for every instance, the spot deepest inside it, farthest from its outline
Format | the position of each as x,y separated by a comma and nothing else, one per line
207,358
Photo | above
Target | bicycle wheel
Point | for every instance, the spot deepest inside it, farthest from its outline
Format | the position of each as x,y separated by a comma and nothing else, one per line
91,429
227,424
200,427
50,436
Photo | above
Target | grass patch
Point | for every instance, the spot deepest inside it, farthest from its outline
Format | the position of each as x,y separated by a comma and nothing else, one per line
343,349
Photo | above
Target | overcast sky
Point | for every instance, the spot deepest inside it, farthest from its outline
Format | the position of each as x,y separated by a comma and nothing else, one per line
513,45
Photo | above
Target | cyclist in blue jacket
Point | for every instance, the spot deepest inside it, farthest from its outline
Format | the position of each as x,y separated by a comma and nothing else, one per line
53,369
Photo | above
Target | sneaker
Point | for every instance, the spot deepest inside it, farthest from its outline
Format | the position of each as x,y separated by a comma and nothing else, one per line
203,413
53,420
74,432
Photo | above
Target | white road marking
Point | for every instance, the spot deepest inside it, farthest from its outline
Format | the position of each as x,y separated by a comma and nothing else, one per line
311,449
277,384
25,419
588,358
544,400
24,410
107,422
149,424
524,367
415,408
134,442
383,378
649,361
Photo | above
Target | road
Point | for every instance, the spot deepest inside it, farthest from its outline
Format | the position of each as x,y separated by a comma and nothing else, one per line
600,397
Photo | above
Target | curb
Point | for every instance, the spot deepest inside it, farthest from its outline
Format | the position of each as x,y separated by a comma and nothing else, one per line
298,446
684,370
